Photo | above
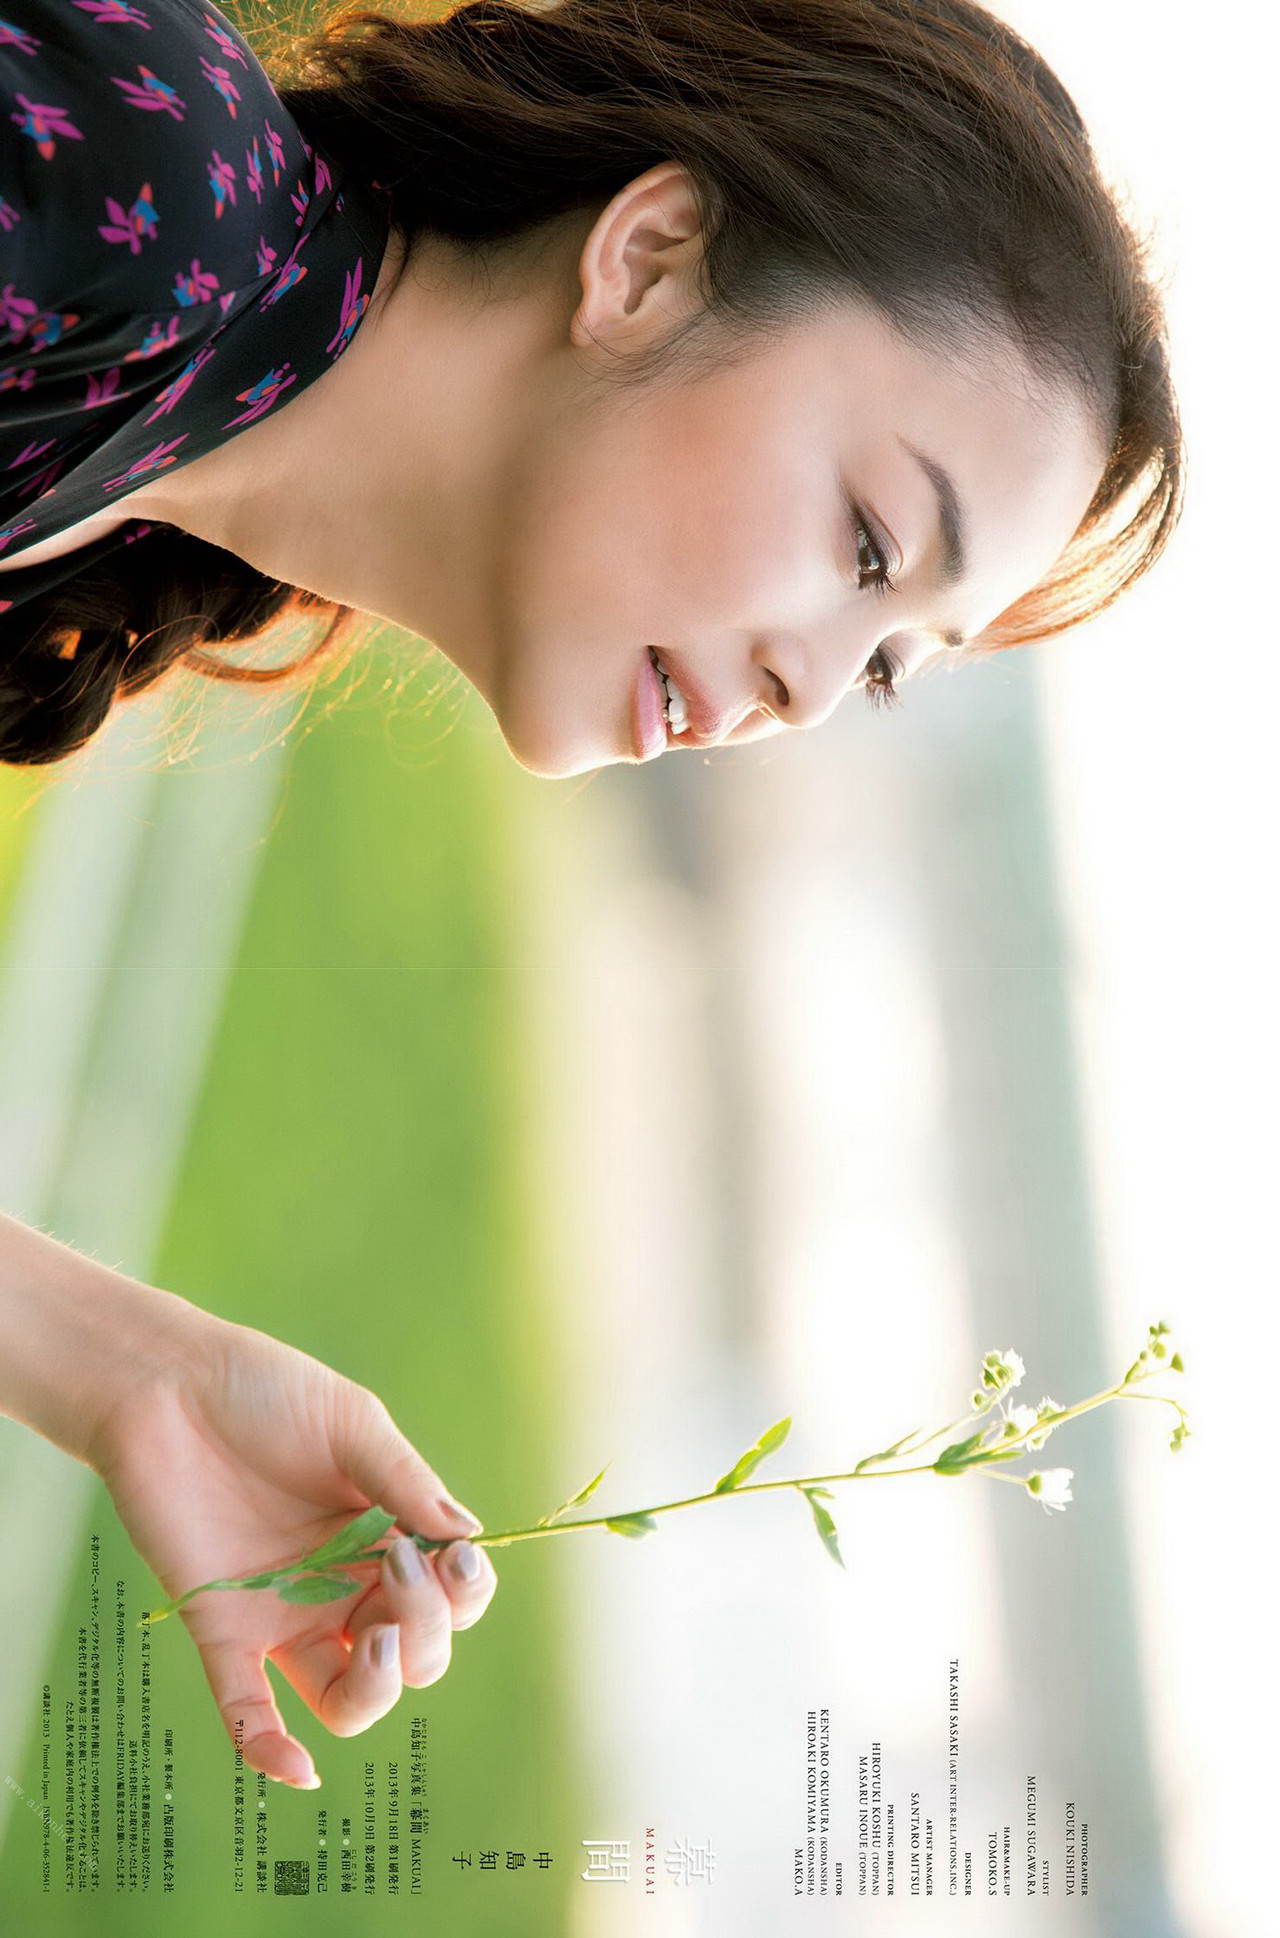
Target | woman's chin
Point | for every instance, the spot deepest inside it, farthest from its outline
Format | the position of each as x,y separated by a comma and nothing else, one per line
553,756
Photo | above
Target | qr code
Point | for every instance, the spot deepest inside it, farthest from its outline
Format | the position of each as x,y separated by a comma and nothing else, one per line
293,1877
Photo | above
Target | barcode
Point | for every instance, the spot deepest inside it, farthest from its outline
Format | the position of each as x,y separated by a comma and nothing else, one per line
293,1877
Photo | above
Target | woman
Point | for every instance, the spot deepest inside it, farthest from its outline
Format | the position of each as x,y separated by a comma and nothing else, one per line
672,369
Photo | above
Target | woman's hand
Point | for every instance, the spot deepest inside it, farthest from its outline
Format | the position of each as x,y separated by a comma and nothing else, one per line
238,1454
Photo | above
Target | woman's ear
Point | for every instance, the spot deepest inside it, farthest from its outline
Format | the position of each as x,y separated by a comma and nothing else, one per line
636,264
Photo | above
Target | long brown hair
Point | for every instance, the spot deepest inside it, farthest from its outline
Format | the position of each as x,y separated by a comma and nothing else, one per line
913,153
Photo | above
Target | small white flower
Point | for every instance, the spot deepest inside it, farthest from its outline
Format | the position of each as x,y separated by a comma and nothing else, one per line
1051,1486
1020,1419
1047,1406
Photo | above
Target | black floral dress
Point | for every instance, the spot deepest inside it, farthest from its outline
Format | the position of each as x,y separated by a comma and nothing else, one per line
176,259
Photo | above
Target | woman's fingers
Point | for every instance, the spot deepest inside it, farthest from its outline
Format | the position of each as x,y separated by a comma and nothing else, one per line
390,1472
468,1578
348,1687
411,1619
414,1582
417,1602
401,1637
238,1678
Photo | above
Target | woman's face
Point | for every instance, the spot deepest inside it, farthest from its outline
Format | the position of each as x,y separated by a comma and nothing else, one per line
739,522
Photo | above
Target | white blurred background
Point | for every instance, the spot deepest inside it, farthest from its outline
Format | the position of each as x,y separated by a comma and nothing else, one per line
939,1032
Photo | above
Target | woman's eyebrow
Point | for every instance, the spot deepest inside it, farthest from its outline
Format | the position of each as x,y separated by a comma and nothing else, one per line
954,558
951,518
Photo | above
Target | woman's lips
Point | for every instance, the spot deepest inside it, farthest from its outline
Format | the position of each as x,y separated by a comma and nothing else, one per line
708,720
648,722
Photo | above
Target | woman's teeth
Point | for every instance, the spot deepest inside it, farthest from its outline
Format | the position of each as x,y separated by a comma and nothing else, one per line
675,707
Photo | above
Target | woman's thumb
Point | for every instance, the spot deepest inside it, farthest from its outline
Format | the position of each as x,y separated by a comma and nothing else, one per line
391,1473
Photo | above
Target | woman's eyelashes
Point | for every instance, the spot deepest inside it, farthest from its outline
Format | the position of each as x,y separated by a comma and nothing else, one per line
871,551
878,676
883,667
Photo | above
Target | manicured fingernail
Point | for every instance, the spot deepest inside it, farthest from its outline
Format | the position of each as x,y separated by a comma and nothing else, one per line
406,1561
386,1642
312,1783
458,1515
465,1561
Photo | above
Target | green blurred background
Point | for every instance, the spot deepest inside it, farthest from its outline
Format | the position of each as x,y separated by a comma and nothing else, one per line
355,1182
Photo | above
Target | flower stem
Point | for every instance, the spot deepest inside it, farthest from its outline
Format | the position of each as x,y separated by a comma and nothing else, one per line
983,1444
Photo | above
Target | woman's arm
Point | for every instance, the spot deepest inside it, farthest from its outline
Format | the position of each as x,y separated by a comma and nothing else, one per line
77,1337
227,1452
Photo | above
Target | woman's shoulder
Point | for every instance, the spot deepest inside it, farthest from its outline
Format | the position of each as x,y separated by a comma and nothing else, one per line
143,152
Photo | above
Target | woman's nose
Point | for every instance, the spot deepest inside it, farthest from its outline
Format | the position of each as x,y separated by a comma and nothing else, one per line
807,682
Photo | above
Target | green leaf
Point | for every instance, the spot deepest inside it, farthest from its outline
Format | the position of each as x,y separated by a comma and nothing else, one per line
635,1526
316,1588
823,1522
769,1442
955,1458
891,1453
366,1528
576,1500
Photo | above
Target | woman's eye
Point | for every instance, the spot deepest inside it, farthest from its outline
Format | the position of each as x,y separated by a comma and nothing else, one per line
878,677
870,563
872,569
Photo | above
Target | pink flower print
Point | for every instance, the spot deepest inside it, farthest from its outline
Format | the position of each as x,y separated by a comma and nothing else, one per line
15,531
222,180
225,302
301,202
253,170
30,452
323,177
114,10
8,215
198,287
275,148
17,379
42,123
156,340
156,459
11,36
42,482
154,93
266,256
140,221
354,305
223,41
219,78
102,390
175,391
291,274
15,311
262,395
